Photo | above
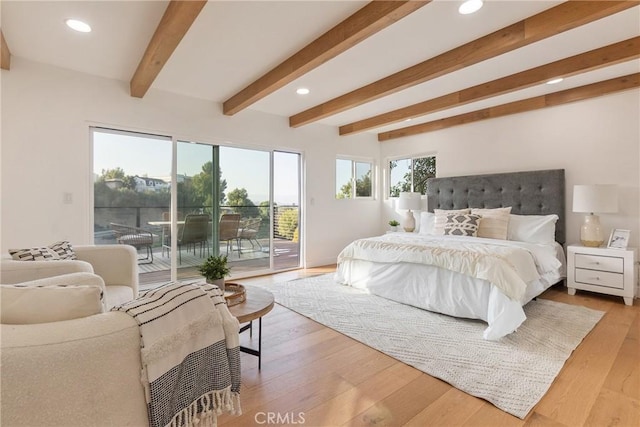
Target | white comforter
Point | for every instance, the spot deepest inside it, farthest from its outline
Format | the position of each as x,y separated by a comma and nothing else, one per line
476,278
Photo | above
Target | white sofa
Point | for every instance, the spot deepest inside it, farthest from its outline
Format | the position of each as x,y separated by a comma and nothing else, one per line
80,372
117,265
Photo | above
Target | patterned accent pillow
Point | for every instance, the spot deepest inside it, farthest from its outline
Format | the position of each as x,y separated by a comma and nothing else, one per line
441,218
54,252
64,250
462,225
34,254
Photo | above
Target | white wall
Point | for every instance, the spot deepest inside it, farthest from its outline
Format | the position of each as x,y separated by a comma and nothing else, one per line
45,152
596,141
47,111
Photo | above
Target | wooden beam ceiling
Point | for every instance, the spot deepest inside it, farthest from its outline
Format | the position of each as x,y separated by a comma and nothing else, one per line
606,56
563,17
5,55
176,21
367,21
557,98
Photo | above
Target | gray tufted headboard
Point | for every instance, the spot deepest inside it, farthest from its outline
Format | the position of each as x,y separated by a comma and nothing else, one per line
528,193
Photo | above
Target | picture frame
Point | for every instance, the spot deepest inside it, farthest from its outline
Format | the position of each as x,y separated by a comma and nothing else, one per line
619,239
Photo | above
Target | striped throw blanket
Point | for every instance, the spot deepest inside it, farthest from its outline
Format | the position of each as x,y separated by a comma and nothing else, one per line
190,354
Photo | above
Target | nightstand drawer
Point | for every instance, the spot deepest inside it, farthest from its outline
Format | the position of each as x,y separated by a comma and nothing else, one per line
600,278
602,263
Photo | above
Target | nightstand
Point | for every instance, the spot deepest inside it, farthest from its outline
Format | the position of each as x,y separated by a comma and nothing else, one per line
604,270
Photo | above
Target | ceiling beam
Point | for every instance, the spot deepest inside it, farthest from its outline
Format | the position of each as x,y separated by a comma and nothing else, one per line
367,21
616,53
567,15
5,55
550,100
175,23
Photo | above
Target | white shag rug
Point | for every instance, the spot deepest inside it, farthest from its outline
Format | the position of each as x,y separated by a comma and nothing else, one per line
512,373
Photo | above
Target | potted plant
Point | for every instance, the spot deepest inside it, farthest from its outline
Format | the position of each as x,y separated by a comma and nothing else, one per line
214,269
394,225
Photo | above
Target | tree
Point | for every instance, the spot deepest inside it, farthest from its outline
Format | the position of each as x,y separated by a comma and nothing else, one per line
363,188
116,173
239,200
288,223
203,186
423,169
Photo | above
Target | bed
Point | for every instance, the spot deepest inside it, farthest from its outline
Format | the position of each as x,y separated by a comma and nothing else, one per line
518,255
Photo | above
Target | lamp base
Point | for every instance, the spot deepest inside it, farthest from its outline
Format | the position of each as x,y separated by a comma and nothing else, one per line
409,222
591,232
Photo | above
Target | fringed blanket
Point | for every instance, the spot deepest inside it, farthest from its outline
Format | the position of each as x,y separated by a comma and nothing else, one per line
190,354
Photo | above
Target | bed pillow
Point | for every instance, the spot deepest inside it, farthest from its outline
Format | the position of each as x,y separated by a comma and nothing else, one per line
22,305
532,228
427,220
462,225
441,218
495,222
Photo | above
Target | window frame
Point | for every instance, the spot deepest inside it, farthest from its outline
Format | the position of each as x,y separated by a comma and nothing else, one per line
388,182
354,161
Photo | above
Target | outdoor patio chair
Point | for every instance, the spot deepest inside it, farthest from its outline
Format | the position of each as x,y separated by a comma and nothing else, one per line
195,231
249,232
229,229
136,237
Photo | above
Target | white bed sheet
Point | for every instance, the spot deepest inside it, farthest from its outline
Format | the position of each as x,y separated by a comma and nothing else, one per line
448,292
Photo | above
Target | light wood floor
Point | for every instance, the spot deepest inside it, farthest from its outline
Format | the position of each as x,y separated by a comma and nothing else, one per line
314,376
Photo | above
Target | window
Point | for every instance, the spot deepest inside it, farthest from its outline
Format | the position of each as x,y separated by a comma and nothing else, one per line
410,174
353,179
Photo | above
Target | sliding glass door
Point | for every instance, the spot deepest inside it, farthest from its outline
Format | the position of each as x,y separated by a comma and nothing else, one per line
179,195
131,192
245,191
286,210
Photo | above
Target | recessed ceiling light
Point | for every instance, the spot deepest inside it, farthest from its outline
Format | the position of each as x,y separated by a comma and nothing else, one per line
302,91
554,81
77,25
470,6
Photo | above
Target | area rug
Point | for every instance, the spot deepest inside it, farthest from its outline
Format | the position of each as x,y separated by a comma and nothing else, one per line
512,373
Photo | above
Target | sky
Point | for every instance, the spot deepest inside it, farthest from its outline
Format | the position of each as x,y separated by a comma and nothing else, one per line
242,168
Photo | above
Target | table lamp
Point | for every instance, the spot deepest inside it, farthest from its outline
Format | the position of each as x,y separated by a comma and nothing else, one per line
597,198
409,201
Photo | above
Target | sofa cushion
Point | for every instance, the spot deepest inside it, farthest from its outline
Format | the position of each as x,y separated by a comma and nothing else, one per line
25,304
118,294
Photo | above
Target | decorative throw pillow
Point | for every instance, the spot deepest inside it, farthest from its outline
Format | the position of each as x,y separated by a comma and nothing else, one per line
22,305
34,254
441,218
56,251
462,225
64,250
495,222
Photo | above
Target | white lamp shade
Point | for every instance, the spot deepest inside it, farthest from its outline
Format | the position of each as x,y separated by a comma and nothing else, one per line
598,198
410,201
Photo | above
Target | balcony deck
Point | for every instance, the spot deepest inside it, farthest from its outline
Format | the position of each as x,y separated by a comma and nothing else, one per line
286,256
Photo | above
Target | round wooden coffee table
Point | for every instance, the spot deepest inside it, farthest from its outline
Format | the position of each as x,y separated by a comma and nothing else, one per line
258,302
